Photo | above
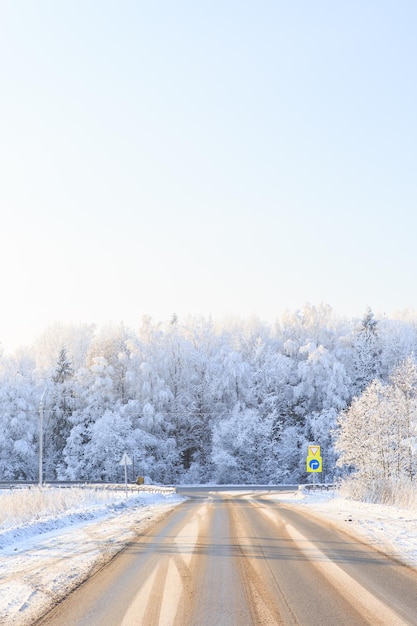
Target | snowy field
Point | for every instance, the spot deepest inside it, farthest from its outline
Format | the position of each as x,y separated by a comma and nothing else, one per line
50,542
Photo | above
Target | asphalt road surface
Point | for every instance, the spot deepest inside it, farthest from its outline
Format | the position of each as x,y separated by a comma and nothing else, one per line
236,559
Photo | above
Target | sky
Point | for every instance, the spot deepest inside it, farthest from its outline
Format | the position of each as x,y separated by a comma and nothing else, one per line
205,158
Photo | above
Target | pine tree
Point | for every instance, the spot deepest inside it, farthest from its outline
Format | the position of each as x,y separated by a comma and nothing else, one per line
367,354
59,406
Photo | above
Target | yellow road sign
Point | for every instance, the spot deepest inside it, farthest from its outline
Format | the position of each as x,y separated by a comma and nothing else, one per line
313,450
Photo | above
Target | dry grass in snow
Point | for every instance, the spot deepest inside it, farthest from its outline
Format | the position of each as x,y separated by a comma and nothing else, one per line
21,506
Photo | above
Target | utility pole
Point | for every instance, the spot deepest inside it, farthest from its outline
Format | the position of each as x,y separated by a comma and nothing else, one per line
41,439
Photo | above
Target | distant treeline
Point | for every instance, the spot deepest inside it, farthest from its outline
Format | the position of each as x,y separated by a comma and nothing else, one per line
197,401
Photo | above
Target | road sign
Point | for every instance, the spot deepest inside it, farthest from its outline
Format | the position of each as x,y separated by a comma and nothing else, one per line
125,460
314,464
313,450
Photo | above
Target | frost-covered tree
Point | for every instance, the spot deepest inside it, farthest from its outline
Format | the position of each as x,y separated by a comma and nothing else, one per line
403,385
311,324
367,354
179,418
376,431
113,344
111,437
59,405
19,423
274,377
172,392
323,388
76,338
203,397
398,340
244,450
95,395
232,375
365,434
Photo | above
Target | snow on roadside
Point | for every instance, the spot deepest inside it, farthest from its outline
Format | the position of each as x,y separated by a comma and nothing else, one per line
387,528
43,561
32,511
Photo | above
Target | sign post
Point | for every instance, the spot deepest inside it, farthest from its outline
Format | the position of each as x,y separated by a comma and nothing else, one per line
125,460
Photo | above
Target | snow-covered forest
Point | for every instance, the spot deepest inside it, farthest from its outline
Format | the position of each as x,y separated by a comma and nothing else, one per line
198,401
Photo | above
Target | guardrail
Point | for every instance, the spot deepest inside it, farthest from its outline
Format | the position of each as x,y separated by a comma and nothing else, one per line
317,487
18,484
128,487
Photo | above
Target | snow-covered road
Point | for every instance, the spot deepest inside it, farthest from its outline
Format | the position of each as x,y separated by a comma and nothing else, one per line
41,562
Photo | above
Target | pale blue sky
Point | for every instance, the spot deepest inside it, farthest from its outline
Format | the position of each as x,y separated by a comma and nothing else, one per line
205,158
